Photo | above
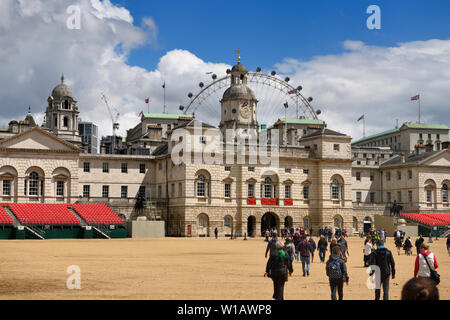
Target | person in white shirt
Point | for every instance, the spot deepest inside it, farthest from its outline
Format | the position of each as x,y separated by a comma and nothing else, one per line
367,250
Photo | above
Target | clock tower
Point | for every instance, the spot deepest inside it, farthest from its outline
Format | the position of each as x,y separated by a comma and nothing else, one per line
238,105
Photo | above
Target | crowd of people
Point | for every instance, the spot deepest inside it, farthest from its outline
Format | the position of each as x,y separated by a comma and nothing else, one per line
300,246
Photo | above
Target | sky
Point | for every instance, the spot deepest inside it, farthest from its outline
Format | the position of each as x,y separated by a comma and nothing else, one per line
128,48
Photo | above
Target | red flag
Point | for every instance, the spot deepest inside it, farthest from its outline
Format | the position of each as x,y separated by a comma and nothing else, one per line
292,91
245,103
415,98
147,100
286,105
362,117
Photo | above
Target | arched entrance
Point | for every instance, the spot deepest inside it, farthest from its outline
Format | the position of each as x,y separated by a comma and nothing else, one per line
268,221
338,222
288,222
251,226
367,224
203,225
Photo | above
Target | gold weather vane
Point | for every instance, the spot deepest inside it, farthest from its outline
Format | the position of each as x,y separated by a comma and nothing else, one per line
239,55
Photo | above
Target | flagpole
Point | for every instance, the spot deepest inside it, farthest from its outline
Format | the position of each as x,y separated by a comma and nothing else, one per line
419,109
164,96
364,126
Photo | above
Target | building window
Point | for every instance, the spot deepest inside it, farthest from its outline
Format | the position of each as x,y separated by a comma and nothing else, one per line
105,167
399,196
33,184
86,167
315,147
105,191
444,193
287,170
356,155
201,186
409,174
372,197
251,191
382,156
389,197
306,192
159,192
336,147
202,140
358,176
364,155
142,168
251,169
410,196
372,176
60,188
160,166
429,196
358,197
227,190
124,168
399,175
6,187
124,192
86,191
141,192
287,191
268,188
388,176
203,221
358,162
180,189
228,169
335,190
305,171
66,122
227,221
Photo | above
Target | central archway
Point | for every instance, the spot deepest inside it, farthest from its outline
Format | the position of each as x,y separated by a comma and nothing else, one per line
251,226
268,221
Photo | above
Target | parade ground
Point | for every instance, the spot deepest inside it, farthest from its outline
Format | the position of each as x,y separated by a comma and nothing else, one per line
182,269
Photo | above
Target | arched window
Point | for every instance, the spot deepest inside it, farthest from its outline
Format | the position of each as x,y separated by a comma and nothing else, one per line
335,190
33,184
203,220
337,221
66,104
267,188
444,193
201,186
227,221
306,223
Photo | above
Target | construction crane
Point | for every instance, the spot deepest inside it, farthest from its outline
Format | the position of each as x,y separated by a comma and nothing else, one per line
114,122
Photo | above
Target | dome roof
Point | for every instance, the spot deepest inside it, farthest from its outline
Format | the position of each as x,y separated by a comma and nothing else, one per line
239,68
62,90
240,91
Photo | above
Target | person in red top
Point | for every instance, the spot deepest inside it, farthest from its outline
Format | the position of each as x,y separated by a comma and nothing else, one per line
422,266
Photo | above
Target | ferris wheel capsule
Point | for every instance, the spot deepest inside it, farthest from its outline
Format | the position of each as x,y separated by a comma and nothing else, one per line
258,69
201,84
214,76
310,99
228,71
190,95
181,108
299,88
318,112
273,73
287,79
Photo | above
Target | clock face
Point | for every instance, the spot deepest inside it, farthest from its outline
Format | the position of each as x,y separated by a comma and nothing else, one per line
245,112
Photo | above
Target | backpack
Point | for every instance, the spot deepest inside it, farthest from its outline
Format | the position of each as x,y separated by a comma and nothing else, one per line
334,269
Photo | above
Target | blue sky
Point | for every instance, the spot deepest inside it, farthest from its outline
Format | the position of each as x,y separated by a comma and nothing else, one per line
268,31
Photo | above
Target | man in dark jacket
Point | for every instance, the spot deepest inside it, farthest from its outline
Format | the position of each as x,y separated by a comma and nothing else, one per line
448,244
418,243
322,246
305,254
277,268
271,246
382,258
344,247
337,273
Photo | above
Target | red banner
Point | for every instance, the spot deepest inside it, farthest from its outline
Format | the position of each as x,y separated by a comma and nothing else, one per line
269,202
251,201
288,202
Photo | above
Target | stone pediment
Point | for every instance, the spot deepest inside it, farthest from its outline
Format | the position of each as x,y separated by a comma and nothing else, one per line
37,139
440,159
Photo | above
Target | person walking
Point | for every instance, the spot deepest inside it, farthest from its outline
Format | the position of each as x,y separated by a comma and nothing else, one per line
271,246
290,249
296,240
322,247
313,246
344,247
216,232
426,263
367,250
418,243
333,244
267,234
407,246
277,268
337,273
305,255
398,244
383,258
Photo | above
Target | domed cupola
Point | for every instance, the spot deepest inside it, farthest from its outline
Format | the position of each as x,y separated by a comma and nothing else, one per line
62,91
238,102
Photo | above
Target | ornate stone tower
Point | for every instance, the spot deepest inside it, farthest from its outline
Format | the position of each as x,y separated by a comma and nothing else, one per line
238,105
62,114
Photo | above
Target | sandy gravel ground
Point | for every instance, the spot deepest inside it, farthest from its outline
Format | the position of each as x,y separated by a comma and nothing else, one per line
171,269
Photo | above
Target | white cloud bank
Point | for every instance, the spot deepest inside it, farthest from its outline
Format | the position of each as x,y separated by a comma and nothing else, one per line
36,47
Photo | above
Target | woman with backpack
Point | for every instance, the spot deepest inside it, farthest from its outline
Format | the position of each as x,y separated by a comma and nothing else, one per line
337,273
277,268
426,264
